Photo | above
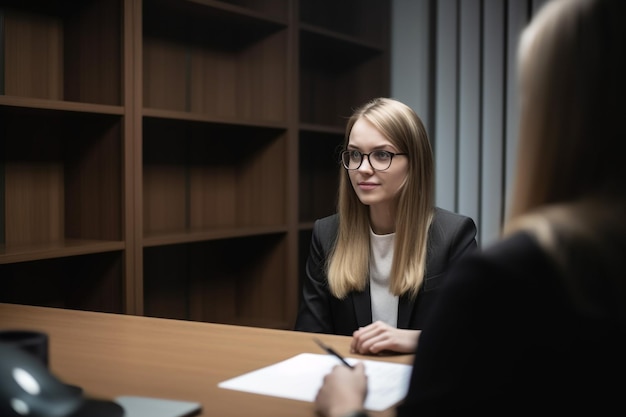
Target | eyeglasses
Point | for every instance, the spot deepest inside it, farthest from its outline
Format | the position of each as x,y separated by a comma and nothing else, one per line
378,160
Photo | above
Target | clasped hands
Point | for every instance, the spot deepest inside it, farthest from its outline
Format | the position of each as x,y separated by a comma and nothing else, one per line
380,337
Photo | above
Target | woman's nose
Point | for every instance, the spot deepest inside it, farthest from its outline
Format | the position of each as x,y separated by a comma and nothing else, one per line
365,164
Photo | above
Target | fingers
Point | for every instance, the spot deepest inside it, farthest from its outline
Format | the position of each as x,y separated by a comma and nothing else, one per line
359,368
379,337
343,389
372,338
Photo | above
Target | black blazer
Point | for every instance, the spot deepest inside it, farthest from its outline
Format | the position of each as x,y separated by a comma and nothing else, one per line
451,236
505,338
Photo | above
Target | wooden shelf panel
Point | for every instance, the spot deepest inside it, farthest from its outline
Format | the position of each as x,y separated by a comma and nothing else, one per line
328,99
63,106
192,236
199,176
334,50
304,246
60,249
271,9
234,22
56,50
86,282
222,281
318,174
215,62
62,179
343,57
216,168
209,119
324,129
367,20
305,226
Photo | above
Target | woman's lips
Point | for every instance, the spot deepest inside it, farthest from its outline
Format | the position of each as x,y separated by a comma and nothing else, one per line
366,186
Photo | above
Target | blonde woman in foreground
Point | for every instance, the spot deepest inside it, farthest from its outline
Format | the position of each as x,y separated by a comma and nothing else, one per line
536,324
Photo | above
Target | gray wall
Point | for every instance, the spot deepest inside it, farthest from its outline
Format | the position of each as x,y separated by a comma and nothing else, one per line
453,61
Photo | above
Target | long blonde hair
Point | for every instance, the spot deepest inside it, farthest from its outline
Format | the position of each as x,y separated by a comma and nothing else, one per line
571,174
348,265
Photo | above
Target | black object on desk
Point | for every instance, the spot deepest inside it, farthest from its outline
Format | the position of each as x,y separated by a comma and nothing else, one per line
27,388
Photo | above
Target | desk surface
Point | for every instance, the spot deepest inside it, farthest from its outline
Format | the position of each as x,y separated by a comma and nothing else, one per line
110,355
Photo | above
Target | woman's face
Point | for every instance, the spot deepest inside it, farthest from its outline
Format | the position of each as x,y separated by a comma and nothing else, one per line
376,189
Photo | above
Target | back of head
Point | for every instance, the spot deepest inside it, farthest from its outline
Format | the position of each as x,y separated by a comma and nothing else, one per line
572,87
570,185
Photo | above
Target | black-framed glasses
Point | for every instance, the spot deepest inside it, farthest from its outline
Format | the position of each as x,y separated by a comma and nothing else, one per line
379,160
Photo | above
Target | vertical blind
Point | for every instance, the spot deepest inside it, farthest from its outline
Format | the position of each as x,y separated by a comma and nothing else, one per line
454,62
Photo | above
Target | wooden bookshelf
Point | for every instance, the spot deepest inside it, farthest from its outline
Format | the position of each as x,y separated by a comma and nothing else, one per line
168,157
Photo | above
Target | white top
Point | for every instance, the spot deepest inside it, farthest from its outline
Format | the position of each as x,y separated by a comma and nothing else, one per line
384,304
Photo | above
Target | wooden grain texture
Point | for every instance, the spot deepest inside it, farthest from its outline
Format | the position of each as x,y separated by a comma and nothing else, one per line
171,156
109,355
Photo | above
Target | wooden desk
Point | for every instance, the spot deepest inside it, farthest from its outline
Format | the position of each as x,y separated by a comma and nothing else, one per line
109,355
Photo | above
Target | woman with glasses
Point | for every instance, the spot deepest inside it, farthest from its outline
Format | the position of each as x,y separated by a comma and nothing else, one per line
536,324
375,266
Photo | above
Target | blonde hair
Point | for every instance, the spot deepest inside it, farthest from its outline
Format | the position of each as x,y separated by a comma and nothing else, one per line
571,174
348,265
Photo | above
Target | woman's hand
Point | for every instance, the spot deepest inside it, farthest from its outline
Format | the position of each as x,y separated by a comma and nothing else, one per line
343,391
379,336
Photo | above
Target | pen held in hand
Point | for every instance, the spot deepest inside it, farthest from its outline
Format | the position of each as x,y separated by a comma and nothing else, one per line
332,352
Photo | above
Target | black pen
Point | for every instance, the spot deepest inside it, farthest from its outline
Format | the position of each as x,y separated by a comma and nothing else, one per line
332,352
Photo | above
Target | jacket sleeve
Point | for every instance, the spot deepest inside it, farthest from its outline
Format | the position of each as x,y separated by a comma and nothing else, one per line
452,237
314,314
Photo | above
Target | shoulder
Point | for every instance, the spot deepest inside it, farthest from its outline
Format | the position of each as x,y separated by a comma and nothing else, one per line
326,227
324,234
501,277
449,225
328,222
507,276
517,257
517,248
445,217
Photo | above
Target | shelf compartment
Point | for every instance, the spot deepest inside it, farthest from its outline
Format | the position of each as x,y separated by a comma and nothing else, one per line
214,61
62,50
88,282
332,51
207,176
364,19
318,173
337,75
233,281
61,180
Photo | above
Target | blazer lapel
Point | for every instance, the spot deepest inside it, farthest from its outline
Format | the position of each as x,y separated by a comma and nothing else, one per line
405,309
363,307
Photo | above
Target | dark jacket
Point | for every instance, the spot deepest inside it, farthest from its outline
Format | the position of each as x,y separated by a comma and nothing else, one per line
505,339
451,236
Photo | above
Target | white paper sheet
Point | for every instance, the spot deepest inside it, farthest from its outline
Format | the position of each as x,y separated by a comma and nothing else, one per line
300,377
